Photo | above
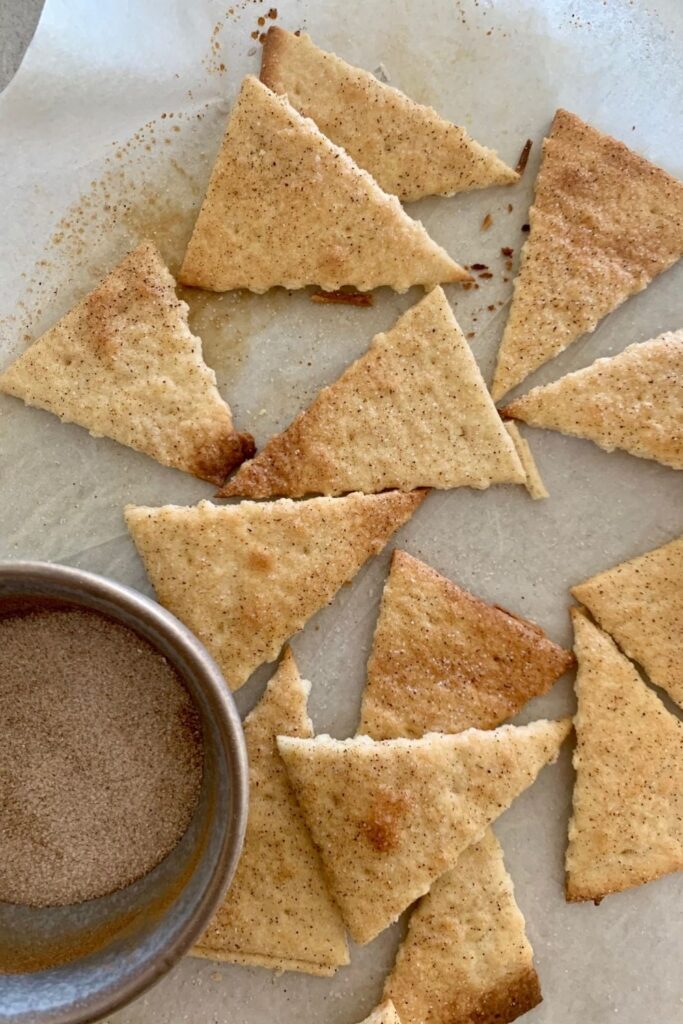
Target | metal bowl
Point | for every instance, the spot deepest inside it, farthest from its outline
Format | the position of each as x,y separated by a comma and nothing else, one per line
69,965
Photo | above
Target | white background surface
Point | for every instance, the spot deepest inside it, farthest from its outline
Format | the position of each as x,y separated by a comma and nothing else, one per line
94,75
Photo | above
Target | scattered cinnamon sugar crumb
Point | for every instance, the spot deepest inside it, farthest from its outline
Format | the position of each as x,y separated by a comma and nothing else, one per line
507,251
487,222
343,297
526,227
524,157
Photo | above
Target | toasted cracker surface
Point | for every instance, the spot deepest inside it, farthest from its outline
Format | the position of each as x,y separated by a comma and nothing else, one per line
277,912
627,822
412,412
285,206
124,364
443,660
533,483
640,604
604,223
408,148
465,956
390,817
632,401
247,577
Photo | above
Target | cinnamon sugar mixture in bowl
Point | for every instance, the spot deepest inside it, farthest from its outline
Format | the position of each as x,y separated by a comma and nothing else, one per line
101,756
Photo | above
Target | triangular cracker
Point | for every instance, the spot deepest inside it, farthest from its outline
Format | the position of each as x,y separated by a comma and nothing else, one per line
443,660
533,482
389,818
632,401
285,206
247,577
604,223
640,603
385,1013
412,412
278,912
124,364
627,823
465,956
407,147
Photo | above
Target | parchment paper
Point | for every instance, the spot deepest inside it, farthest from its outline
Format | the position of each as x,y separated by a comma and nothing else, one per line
107,134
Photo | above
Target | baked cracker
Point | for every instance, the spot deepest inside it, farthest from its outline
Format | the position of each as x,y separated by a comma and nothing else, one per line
390,817
466,956
412,412
277,912
633,401
533,480
246,577
640,604
627,822
124,364
408,148
285,206
443,660
604,223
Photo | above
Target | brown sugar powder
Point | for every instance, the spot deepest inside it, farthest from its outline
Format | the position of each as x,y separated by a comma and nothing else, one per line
101,757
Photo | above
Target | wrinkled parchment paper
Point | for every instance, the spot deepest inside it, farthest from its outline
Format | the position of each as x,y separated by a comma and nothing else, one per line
107,134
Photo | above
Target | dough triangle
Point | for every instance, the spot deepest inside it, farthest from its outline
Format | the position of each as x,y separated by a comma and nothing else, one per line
412,412
285,206
466,956
278,912
247,577
389,818
407,147
443,660
604,223
640,603
627,823
632,401
123,364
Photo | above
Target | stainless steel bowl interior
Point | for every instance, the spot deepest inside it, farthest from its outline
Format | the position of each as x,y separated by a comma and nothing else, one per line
69,965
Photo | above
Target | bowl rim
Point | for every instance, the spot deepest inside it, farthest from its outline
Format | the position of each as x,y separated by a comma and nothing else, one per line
233,748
